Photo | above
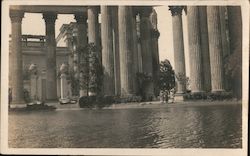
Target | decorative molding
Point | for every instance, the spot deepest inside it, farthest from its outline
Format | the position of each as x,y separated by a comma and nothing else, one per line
176,10
145,12
80,18
50,17
16,16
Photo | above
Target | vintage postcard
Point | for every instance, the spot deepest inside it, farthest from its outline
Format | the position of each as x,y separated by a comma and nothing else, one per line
125,77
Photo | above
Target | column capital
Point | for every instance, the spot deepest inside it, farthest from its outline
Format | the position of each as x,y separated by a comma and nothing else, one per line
16,15
146,11
95,9
176,10
80,17
134,12
50,17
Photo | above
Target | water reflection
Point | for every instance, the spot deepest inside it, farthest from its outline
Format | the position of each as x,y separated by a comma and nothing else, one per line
169,127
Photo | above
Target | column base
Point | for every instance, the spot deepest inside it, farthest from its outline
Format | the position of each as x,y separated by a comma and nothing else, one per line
51,100
17,106
218,91
197,92
21,102
179,97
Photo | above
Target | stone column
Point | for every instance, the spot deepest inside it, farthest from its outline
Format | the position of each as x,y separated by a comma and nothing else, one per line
235,38
93,28
224,42
155,51
146,48
93,38
215,48
194,49
63,81
43,85
107,52
205,48
81,24
16,57
126,50
179,57
75,86
69,44
139,43
135,49
51,82
69,41
115,35
33,82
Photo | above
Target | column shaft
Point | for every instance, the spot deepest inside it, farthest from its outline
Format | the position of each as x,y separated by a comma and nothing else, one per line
51,74
205,48
235,38
93,25
126,50
179,57
224,41
115,35
215,48
93,38
107,52
139,43
16,58
146,49
135,50
155,51
194,49
81,25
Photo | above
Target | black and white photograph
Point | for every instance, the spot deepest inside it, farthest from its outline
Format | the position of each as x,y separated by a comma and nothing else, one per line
150,77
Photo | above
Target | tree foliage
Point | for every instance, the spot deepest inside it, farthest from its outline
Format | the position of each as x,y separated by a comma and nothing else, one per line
166,76
95,70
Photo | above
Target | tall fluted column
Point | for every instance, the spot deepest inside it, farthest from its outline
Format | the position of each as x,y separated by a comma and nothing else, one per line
179,57
146,48
107,51
194,49
224,41
93,38
126,50
115,35
155,51
51,73
16,57
138,30
75,88
135,49
235,38
81,24
215,48
205,48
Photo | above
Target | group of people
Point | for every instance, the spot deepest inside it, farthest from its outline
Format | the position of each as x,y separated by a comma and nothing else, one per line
167,96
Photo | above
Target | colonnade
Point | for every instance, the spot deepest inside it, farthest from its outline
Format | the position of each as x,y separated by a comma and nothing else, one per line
119,48
129,44
208,46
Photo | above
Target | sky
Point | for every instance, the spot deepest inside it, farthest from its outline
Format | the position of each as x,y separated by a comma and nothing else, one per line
34,24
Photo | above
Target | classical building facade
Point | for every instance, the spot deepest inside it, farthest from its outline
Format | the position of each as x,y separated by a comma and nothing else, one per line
127,39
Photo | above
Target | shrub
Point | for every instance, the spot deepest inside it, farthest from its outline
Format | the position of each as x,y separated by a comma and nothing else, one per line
209,96
102,101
